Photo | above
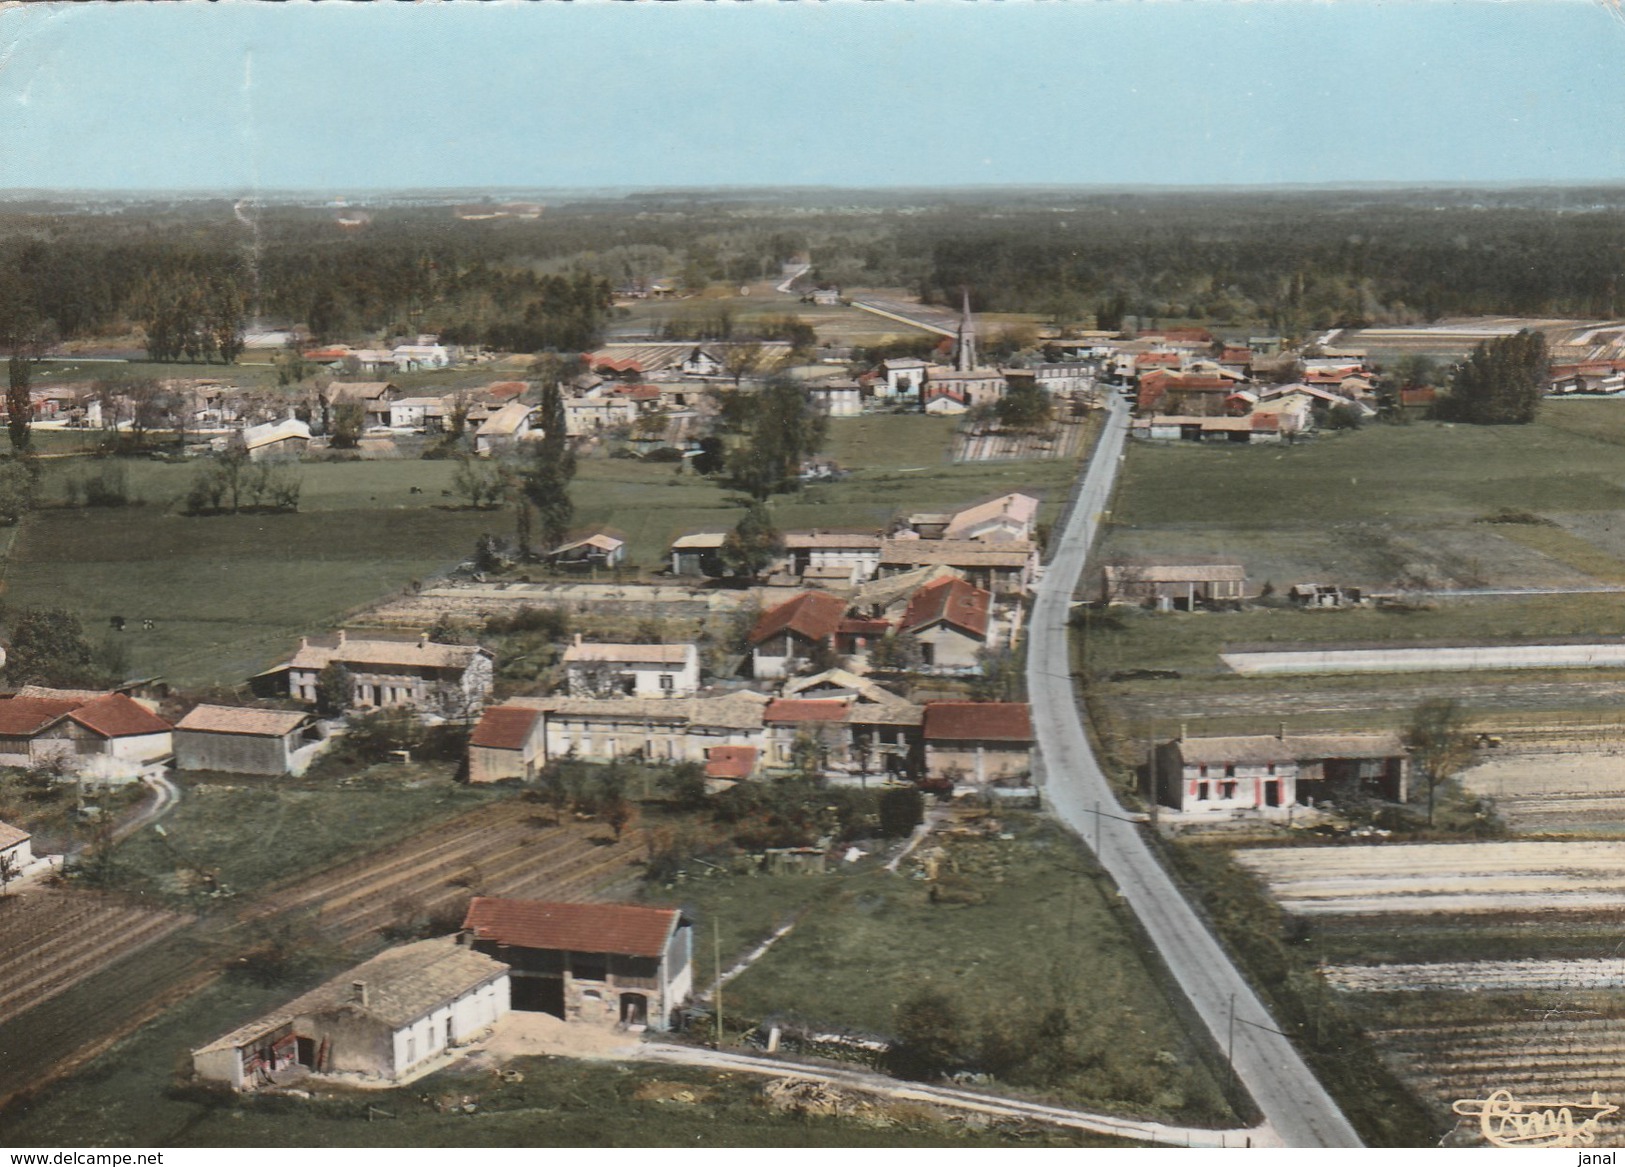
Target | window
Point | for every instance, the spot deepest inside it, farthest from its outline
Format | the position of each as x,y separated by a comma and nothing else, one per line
1201,792
668,683
1227,790
411,1050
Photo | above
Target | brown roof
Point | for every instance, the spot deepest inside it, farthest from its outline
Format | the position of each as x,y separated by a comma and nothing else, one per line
1013,553
836,540
403,984
617,929
249,722
642,654
978,721
1175,572
355,651
10,836
1262,749
793,710
949,601
504,727
23,716
116,715
812,615
730,762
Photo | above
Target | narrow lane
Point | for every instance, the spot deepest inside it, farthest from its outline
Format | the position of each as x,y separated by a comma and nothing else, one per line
1295,1106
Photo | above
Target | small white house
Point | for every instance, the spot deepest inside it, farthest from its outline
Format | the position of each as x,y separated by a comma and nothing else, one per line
391,1018
416,413
504,429
836,398
631,670
285,440
16,849
904,377
408,357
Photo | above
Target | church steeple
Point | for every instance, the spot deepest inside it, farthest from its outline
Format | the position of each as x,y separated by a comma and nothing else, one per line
965,342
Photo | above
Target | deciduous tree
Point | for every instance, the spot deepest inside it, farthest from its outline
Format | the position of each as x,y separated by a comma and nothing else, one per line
1439,743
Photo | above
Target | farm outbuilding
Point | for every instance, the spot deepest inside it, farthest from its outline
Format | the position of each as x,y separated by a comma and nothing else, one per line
389,1018
246,741
508,742
16,846
605,964
980,741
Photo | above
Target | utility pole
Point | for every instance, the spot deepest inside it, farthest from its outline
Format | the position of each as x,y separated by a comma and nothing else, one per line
716,952
1097,833
1230,1044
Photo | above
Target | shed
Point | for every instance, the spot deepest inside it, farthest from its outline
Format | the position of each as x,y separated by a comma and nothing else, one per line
246,741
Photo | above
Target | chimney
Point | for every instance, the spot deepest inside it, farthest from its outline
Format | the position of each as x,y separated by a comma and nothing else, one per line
578,640
1182,731
358,992
1280,731
342,636
304,642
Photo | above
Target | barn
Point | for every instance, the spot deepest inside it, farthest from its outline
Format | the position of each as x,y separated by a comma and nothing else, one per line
246,741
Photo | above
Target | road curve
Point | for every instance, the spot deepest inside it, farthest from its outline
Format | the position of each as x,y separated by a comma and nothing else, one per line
1294,1104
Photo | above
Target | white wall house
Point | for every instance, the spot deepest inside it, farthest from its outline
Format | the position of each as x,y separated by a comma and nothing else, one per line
631,670
400,1014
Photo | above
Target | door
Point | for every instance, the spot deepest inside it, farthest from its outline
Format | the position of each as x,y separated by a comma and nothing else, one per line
305,1051
538,995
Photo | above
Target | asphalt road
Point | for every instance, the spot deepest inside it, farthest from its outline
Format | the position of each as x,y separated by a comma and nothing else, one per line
1294,1104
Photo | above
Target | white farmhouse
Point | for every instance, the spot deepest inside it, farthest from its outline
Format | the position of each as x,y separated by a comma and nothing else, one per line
631,670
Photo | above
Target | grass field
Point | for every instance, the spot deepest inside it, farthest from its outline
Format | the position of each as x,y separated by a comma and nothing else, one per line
231,594
295,826
1387,507
1032,926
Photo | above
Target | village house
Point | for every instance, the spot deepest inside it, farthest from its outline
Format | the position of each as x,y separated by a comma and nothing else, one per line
374,397
410,357
948,399
818,726
283,441
1008,517
1264,773
787,636
246,741
669,729
904,377
1005,568
975,387
1171,586
599,549
418,414
631,670
1064,378
836,398
980,742
509,742
602,964
952,620
596,411
389,1019
502,432
835,556
103,737
887,597
884,728
448,679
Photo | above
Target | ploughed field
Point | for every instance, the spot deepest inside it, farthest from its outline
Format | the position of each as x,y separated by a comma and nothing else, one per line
420,883
55,938
1472,967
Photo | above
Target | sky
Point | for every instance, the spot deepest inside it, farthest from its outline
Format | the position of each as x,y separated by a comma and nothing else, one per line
337,98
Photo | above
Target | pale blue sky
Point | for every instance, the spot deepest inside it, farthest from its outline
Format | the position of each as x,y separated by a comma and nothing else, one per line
339,97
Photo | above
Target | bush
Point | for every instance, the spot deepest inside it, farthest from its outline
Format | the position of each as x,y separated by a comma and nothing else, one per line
900,812
551,622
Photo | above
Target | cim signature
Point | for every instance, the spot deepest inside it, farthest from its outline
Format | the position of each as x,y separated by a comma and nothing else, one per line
1507,1123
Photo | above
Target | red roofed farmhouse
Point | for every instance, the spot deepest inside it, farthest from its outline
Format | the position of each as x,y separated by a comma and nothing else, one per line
111,737
606,964
978,741
951,620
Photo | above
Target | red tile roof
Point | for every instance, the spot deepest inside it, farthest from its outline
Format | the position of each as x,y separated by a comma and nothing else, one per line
617,929
730,762
502,727
950,601
978,721
792,710
812,615
23,716
116,715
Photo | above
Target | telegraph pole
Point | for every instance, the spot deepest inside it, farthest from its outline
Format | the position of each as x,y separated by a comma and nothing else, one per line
716,952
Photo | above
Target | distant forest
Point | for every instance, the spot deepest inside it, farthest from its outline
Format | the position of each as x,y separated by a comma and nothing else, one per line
1285,261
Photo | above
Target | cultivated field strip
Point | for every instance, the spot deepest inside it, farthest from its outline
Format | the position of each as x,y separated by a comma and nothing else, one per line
1557,1060
1480,976
506,848
1442,877
55,939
